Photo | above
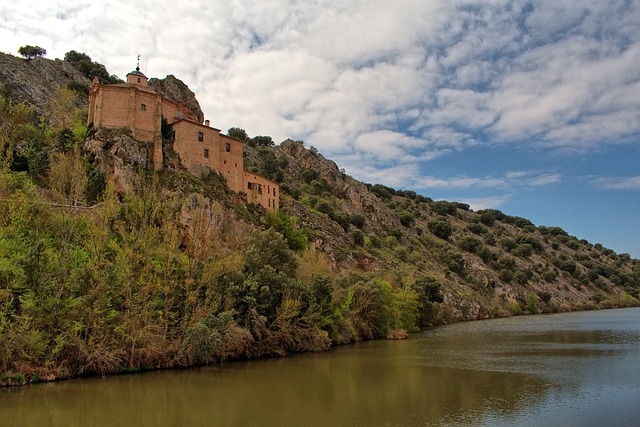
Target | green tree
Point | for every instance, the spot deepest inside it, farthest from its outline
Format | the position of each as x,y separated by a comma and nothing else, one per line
262,141
30,52
238,133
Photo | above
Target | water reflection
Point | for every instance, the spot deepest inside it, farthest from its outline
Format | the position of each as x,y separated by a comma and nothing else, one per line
572,369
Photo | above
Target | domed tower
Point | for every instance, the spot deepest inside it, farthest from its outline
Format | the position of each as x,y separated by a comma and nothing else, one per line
136,77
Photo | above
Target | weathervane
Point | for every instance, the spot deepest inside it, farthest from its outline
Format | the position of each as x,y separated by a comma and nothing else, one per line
138,66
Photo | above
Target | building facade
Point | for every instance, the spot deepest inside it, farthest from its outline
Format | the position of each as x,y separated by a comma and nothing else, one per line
134,105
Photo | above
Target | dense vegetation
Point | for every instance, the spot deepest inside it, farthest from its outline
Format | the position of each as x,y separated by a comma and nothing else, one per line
178,271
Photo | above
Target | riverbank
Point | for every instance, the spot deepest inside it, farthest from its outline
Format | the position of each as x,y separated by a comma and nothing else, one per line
34,375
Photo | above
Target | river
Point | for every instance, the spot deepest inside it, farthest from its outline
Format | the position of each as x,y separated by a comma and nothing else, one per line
573,369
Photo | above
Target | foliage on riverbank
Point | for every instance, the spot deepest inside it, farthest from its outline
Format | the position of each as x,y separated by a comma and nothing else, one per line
125,286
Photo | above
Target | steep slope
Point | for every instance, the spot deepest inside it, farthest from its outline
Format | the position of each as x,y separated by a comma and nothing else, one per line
487,263
34,81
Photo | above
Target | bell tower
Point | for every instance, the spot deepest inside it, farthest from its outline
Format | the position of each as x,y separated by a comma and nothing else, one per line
136,77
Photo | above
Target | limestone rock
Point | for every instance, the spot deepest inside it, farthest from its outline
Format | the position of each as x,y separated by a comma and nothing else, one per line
173,88
33,80
118,155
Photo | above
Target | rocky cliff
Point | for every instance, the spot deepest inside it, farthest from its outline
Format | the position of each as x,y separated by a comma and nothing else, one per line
34,80
172,88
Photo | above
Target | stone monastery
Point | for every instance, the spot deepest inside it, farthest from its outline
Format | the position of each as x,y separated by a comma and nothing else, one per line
201,148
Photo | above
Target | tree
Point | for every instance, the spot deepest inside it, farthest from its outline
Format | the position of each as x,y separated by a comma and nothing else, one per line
68,176
63,108
262,141
90,69
30,52
238,133
74,57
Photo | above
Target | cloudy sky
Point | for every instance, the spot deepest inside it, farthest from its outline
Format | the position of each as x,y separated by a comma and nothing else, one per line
530,107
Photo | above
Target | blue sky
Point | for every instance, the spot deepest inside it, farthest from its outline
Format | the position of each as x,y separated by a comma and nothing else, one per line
530,107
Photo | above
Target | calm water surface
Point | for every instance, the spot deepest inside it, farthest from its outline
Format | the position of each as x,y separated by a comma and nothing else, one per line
576,369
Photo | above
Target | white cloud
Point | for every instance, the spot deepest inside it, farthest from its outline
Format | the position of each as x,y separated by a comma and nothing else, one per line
617,183
381,87
490,202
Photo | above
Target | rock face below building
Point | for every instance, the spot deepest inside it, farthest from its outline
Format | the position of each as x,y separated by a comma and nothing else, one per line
119,156
174,89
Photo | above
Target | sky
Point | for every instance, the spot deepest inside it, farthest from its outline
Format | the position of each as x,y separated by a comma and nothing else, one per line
530,107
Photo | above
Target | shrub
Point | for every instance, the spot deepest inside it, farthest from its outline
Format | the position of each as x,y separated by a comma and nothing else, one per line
358,220
440,228
406,219
325,208
470,244
489,216
544,296
532,303
358,238
523,250
442,207
516,309
508,244
477,228
382,191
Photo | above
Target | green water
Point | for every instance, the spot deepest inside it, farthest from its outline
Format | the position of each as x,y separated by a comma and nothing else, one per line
576,369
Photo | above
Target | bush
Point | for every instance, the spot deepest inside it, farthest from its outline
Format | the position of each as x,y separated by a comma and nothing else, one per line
79,87
489,216
358,238
470,244
406,219
440,228
508,244
286,226
477,228
358,220
382,191
523,250
325,208
96,183
532,303
442,207
544,296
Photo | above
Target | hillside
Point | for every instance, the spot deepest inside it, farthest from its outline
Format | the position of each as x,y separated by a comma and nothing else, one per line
486,262
106,266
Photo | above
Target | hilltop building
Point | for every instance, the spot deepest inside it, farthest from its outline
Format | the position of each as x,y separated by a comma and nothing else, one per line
136,106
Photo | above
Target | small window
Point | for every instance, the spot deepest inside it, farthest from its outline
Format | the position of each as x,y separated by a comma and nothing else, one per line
200,136
143,107
138,79
227,147
259,189
249,186
206,153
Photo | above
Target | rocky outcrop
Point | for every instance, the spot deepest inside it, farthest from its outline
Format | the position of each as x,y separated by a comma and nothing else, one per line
118,155
32,80
354,192
174,89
